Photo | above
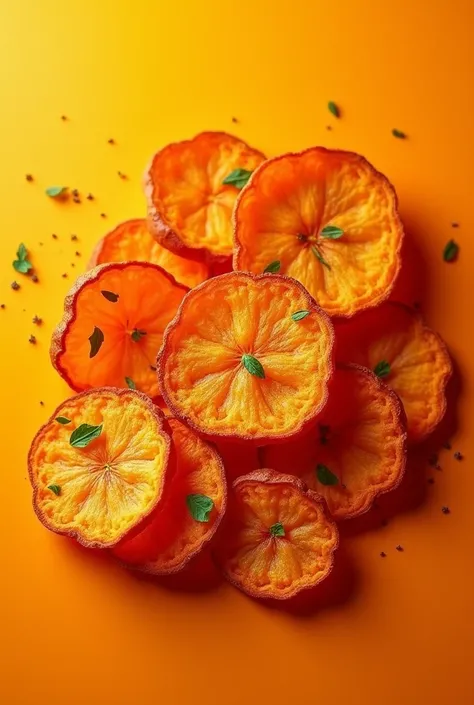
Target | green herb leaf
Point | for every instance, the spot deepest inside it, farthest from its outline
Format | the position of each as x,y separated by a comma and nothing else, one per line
130,383
199,506
332,232
56,489
398,134
55,191
237,178
96,339
319,256
333,108
253,366
84,434
382,368
110,296
137,334
450,251
325,476
62,420
299,315
273,267
22,266
277,529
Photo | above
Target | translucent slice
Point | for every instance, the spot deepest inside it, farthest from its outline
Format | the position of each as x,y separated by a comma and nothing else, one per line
276,539
99,492
358,449
132,241
172,536
419,365
113,324
235,365
330,219
189,206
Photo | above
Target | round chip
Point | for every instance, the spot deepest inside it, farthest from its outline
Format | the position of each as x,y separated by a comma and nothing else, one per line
394,342
235,364
276,539
331,221
192,511
132,241
189,205
98,466
358,449
113,324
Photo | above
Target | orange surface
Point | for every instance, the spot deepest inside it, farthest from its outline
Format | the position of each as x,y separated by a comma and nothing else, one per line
77,628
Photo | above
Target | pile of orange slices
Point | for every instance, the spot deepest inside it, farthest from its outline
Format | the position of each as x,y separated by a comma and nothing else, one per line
245,380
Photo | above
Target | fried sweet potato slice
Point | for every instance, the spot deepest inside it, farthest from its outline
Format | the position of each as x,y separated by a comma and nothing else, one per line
331,221
98,466
173,535
112,328
358,449
189,205
394,341
235,365
132,241
276,539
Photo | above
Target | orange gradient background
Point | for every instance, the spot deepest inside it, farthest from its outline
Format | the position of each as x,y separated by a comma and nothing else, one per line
78,629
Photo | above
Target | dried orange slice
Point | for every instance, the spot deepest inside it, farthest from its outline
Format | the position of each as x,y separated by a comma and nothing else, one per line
358,449
331,221
189,205
276,538
236,365
132,241
413,360
112,328
193,509
98,466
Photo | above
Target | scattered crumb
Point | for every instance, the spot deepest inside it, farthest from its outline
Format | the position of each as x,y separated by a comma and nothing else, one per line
72,264
234,119
2,305
32,339
41,403
445,510
111,141
34,278
64,276
399,548
54,236
29,177
64,117
458,455
382,554
78,254
75,192
90,197
15,286
76,199
455,225
122,175
74,238
102,215
37,320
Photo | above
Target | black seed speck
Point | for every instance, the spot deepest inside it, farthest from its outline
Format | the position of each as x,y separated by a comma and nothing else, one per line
458,455
382,554
32,339
15,286
445,510
399,548
37,320
74,238
29,177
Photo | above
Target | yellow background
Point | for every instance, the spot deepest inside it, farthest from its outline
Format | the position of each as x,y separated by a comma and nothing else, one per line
76,629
